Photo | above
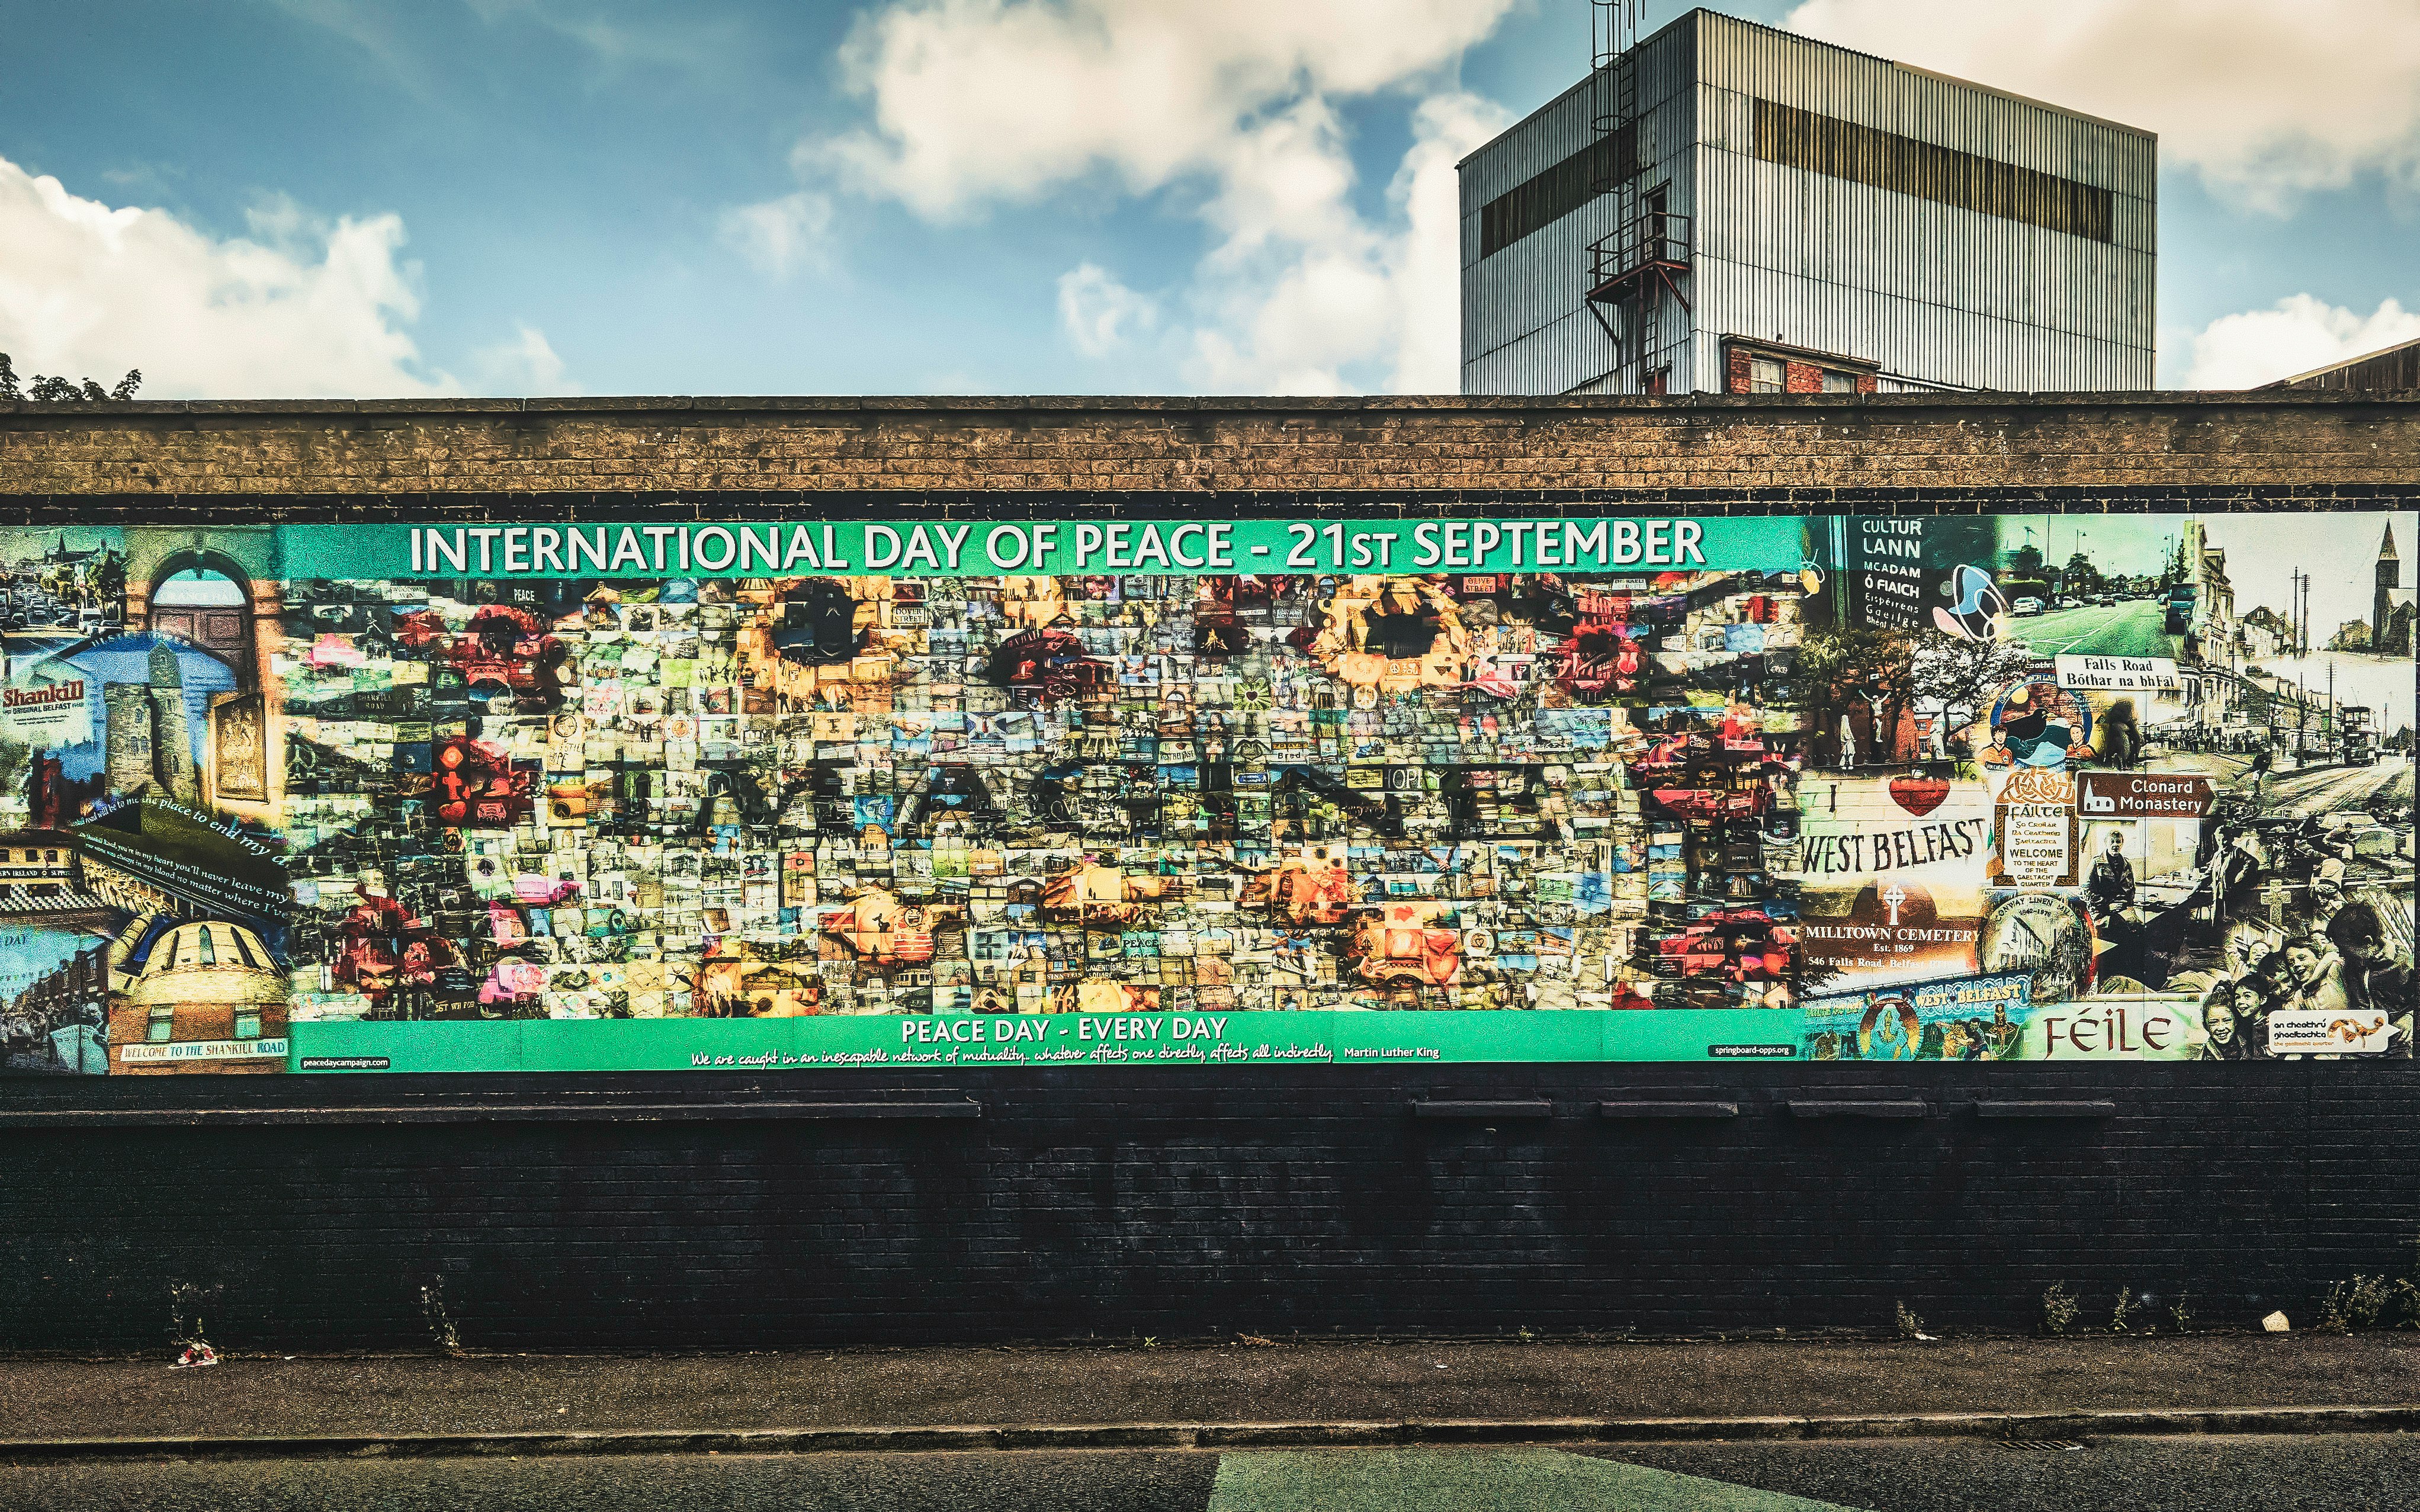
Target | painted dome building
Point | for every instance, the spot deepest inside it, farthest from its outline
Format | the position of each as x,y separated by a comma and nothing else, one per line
205,995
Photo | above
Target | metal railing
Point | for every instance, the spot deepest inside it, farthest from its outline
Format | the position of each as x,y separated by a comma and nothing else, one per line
1654,240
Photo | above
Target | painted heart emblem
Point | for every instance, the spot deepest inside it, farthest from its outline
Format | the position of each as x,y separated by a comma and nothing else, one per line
1918,796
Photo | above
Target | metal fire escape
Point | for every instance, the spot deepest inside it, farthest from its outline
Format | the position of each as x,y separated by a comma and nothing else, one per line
1637,270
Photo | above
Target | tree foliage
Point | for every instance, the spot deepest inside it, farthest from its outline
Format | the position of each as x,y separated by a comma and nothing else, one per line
1898,672
1899,668
37,389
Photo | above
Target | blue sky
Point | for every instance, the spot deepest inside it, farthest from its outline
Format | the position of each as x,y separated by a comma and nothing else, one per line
260,197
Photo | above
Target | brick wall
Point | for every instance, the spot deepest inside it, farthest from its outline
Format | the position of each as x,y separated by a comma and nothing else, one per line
1188,1204
178,462
1179,1203
1797,377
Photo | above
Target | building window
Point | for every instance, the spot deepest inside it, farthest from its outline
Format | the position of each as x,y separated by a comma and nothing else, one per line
1540,200
162,1027
1883,160
247,1024
47,856
209,948
1764,376
1840,382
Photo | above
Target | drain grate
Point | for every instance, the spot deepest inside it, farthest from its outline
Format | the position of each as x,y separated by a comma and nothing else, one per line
2056,1445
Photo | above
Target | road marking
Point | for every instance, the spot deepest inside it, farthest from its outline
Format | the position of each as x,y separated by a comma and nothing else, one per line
1474,1480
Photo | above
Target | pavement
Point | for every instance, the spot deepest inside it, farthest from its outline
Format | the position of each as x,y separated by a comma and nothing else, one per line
64,1402
1768,1425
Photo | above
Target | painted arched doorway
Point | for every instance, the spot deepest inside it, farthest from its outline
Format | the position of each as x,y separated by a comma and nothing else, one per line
206,598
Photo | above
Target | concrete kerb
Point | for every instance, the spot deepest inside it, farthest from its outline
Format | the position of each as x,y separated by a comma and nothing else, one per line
1218,1436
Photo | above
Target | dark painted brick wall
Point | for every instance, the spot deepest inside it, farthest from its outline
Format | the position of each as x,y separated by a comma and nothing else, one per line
1189,1204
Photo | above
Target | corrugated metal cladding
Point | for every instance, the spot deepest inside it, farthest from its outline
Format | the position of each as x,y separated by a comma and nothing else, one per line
1905,282
1524,324
2395,367
1825,316
1929,290
1922,284
1761,63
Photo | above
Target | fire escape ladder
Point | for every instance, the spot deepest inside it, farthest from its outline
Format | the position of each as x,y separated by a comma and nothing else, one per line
1637,270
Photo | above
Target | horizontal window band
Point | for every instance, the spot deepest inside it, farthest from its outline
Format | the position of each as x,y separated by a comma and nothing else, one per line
1802,139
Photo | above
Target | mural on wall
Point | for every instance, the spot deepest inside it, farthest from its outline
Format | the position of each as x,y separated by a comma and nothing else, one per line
2157,767
135,856
587,796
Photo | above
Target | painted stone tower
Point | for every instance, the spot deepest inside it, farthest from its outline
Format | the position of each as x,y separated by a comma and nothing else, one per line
172,741
151,743
2390,578
130,736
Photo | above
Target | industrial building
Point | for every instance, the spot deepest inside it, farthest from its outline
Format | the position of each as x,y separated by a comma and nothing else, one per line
2390,367
1724,208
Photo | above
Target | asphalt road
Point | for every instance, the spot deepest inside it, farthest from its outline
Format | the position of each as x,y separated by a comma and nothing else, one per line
2129,630
2340,787
2339,1473
2348,1472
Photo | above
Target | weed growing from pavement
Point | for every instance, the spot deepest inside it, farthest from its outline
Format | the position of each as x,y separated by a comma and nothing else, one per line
2365,1303
2058,1309
2372,1302
440,1323
2119,1314
1910,1326
185,1302
2181,1316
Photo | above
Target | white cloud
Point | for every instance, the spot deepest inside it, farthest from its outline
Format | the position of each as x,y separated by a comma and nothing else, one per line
1100,314
525,364
977,103
2297,334
2265,101
778,237
1301,309
299,309
1003,99
1427,258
